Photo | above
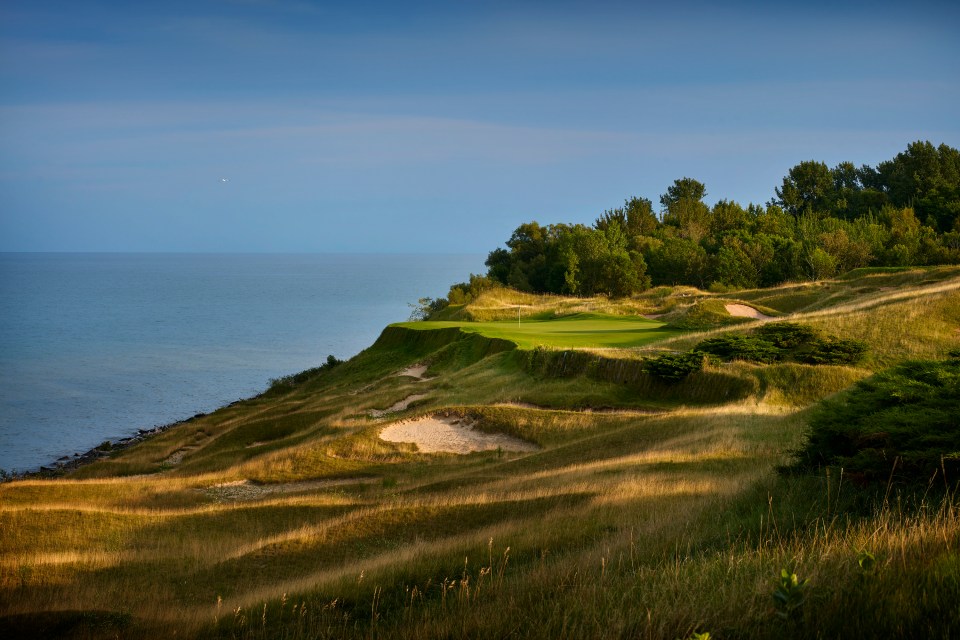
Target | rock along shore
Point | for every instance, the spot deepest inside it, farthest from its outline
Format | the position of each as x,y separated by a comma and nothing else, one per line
66,464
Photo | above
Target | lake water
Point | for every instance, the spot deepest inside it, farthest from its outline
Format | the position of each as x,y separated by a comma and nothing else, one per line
94,347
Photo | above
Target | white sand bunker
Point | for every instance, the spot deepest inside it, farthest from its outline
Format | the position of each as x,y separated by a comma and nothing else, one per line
440,434
743,311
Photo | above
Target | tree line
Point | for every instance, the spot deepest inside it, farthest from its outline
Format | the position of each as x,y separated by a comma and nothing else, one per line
824,221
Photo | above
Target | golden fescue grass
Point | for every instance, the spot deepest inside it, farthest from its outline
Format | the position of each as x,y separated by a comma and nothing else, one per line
919,322
503,304
65,549
286,516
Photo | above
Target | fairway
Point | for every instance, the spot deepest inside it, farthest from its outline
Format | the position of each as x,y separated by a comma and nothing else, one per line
590,330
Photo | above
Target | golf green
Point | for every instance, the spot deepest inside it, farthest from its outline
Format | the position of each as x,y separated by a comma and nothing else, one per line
580,330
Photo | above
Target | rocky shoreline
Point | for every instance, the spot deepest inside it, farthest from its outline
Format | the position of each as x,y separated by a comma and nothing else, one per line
105,449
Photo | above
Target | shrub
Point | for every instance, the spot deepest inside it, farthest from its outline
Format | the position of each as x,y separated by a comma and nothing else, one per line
674,367
740,347
466,292
425,308
832,350
787,335
294,379
907,414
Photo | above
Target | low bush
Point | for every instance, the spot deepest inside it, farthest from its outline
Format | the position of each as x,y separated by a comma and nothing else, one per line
674,367
740,347
787,335
784,341
294,379
832,350
903,419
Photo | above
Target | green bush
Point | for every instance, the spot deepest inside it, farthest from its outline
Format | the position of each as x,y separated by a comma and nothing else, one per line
784,341
674,367
832,350
787,335
740,347
294,379
905,416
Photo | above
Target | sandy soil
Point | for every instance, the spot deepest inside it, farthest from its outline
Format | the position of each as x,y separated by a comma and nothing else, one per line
177,456
403,405
743,311
416,371
439,434
246,490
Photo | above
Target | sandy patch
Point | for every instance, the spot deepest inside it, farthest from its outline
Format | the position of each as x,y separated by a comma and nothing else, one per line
417,371
176,457
246,490
439,434
743,311
403,405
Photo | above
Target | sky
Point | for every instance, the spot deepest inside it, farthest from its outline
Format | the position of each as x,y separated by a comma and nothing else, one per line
382,126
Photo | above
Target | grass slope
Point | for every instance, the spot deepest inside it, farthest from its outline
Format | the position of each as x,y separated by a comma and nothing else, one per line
649,510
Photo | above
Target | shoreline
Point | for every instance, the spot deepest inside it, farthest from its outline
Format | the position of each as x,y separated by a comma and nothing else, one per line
65,464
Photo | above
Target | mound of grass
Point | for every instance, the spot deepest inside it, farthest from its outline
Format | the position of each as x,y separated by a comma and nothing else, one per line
903,420
704,314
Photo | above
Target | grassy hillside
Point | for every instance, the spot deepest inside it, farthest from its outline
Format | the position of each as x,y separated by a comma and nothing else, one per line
646,508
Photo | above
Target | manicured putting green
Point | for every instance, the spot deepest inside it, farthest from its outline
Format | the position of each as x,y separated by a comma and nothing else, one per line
580,330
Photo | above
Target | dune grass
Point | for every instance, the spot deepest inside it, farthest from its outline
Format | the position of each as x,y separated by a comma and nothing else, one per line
648,511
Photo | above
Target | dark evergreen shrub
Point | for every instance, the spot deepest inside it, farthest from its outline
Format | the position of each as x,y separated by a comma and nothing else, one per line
833,351
787,335
908,414
674,367
740,347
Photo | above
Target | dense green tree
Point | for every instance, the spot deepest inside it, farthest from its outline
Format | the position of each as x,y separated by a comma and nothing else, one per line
683,189
678,261
685,210
824,221
920,169
848,251
807,188
743,260
499,263
636,217
728,217
773,221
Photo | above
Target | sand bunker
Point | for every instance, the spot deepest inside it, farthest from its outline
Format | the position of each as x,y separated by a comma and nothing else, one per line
743,311
246,490
402,405
416,371
439,434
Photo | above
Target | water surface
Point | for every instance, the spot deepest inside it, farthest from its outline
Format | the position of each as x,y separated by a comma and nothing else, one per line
96,346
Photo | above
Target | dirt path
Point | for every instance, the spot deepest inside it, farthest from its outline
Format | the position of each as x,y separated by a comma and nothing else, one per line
438,434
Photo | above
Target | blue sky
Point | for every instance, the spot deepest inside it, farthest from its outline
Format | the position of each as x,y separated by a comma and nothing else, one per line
435,127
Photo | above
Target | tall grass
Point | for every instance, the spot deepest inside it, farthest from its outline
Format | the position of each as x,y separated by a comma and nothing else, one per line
645,514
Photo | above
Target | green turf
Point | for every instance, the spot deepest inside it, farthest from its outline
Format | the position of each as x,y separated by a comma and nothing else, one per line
580,330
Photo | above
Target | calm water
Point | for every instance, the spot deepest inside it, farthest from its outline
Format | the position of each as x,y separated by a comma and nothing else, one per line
96,346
